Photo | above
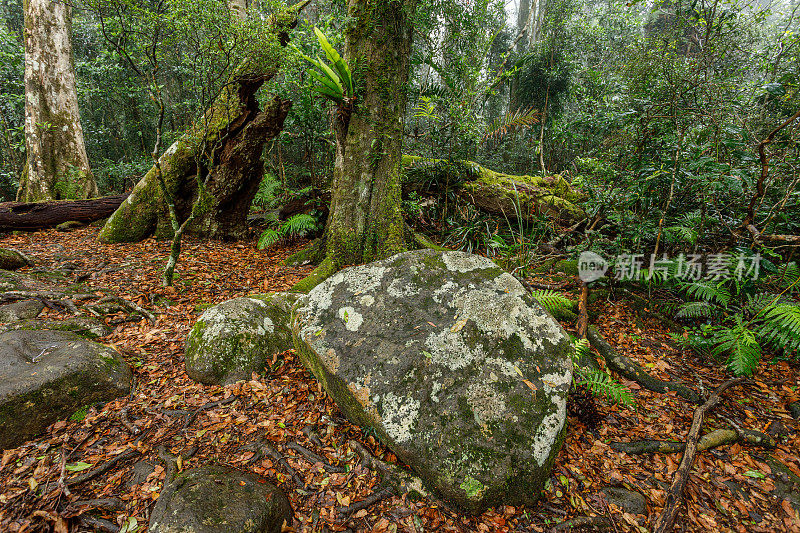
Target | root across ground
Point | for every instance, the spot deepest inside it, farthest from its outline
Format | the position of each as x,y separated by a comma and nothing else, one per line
730,488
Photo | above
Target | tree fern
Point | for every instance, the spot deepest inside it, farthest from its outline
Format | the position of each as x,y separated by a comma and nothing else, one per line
552,301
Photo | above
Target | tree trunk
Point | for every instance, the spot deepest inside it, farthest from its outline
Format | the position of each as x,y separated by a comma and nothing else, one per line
238,8
34,216
238,130
57,165
366,222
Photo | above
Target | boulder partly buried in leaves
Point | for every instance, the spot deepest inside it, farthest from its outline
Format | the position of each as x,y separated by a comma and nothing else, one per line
12,259
235,338
456,368
22,310
46,376
218,499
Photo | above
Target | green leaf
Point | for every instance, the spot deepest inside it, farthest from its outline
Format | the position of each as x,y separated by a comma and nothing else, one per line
338,63
77,467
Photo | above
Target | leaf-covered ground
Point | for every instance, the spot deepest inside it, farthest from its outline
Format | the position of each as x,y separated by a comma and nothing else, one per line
731,488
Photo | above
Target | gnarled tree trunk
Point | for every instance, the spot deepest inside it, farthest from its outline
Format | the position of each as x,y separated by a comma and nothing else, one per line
237,130
57,165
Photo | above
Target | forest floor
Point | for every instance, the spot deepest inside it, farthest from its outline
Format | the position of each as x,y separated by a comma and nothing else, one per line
731,488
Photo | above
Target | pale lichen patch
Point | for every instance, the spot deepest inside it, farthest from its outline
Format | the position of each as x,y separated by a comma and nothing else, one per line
399,416
352,319
462,262
548,431
450,350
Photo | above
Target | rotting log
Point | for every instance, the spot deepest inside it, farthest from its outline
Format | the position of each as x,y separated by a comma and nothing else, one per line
227,143
40,215
515,197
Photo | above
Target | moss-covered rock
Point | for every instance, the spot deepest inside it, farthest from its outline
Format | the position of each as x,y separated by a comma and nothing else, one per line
12,259
48,375
235,338
85,327
219,499
455,367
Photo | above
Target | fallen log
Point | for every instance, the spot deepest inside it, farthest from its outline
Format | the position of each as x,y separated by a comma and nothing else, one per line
714,439
41,215
514,197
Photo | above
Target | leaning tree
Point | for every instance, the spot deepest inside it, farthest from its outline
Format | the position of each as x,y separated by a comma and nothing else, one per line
57,165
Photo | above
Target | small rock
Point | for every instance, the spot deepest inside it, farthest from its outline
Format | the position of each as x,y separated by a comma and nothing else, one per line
48,375
219,499
235,338
628,500
70,225
21,310
13,260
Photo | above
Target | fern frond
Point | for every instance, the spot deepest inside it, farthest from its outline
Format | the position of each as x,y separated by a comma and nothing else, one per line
695,310
298,225
511,121
268,238
740,344
781,326
791,278
552,301
708,291
602,384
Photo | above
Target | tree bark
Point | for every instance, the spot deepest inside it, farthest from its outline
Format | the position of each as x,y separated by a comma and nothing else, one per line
366,222
238,130
57,165
35,216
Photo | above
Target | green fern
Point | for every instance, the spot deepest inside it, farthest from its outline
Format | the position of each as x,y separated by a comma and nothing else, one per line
511,121
695,310
597,381
740,343
297,226
708,291
552,301
781,327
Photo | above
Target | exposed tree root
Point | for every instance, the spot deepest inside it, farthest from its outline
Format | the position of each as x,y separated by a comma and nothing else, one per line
630,370
394,477
593,522
315,458
794,409
675,494
325,270
714,439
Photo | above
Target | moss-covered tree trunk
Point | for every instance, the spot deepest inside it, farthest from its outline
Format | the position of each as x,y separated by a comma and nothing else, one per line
366,221
57,166
234,130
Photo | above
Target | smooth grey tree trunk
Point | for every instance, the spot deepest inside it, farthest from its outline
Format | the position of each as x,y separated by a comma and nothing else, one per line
57,165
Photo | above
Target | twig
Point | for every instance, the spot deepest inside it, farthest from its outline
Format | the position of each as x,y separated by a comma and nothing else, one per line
130,305
675,495
312,436
105,467
98,524
62,474
219,403
114,504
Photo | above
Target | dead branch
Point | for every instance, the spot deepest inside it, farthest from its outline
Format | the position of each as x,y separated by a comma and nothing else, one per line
369,501
594,522
105,467
750,218
714,439
583,311
675,495
130,305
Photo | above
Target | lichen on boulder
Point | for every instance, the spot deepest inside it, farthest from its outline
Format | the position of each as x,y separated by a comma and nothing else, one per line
237,337
454,366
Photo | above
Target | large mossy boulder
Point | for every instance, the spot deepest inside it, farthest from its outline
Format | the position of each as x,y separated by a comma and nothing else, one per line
219,499
235,338
46,376
454,366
